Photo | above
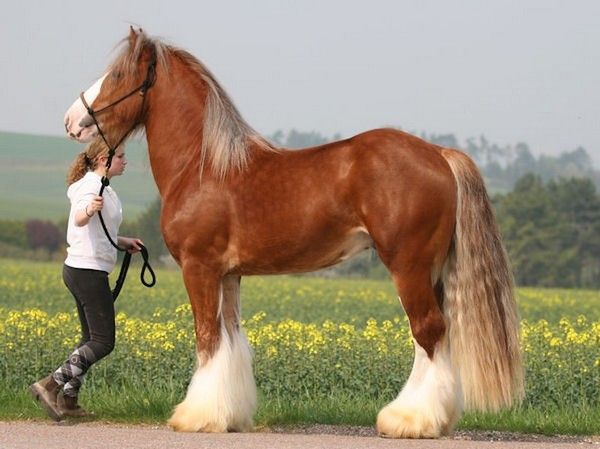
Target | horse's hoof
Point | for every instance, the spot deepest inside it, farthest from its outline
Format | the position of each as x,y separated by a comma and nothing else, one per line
397,423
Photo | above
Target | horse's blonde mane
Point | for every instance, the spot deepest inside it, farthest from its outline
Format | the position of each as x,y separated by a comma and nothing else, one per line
226,137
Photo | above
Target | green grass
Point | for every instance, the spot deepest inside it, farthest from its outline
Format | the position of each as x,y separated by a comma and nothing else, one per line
362,412
148,406
337,385
553,421
33,171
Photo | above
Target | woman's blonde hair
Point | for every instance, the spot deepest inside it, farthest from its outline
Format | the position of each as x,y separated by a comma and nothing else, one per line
86,160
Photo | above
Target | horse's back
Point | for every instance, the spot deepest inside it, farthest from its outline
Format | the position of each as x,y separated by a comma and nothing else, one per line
379,153
383,166
383,169
400,152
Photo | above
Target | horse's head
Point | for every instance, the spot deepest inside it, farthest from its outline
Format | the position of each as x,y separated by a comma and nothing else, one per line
115,105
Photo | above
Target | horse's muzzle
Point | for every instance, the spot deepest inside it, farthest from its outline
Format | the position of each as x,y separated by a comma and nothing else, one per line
86,121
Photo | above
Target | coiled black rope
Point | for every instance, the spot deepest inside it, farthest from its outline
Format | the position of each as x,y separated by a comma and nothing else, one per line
127,258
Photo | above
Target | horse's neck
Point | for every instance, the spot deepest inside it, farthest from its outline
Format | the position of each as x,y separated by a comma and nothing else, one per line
173,142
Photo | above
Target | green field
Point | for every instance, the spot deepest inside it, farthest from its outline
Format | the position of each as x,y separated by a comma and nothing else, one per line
33,171
327,351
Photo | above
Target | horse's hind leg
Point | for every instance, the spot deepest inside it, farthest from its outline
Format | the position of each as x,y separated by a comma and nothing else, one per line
431,401
221,395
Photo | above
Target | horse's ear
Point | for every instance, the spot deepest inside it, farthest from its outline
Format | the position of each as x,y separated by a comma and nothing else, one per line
133,35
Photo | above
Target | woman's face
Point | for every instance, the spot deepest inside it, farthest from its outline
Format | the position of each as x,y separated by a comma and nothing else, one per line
119,161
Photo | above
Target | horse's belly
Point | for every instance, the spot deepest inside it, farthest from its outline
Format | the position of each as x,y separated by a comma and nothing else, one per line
310,255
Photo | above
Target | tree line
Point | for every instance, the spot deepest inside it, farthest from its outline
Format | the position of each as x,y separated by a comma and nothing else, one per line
550,223
552,231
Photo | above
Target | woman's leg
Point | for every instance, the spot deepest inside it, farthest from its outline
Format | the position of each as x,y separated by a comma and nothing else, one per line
97,317
96,311
85,330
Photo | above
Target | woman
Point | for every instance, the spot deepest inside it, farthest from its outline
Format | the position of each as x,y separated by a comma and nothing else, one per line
90,259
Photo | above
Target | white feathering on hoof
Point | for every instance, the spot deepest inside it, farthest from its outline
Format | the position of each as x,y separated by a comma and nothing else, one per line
222,394
430,403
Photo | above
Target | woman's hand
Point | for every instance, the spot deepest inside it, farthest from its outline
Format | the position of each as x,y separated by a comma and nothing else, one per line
83,216
96,205
131,244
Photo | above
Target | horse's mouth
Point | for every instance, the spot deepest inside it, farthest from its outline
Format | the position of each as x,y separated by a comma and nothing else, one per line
84,134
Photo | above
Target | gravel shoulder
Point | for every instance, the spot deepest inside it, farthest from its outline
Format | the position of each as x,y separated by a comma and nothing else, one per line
98,435
465,435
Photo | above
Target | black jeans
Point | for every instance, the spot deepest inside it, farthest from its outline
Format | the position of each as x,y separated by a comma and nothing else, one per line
95,307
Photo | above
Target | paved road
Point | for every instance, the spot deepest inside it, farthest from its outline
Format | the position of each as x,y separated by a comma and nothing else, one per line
41,435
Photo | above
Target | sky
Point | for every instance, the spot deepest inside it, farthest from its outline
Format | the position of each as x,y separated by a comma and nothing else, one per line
512,70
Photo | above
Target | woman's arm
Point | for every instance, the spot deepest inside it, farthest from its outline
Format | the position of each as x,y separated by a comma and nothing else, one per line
83,216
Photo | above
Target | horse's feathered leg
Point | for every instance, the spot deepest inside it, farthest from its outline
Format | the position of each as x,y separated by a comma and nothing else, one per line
222,394
242,387
430,402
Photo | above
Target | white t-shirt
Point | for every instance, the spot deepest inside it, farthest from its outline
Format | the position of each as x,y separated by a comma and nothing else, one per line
88,245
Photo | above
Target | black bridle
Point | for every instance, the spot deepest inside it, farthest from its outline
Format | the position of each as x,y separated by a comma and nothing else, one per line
142,89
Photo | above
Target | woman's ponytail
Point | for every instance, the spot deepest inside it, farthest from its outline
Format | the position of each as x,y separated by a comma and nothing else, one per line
86,161
79,167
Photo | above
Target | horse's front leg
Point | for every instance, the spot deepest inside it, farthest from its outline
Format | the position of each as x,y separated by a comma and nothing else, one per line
221,396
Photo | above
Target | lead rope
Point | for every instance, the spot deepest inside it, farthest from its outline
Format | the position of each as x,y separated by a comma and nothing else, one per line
127,257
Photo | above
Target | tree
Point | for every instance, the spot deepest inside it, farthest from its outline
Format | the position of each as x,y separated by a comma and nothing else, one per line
551,232
580,205
43,234
13,233
298,139
147,228
523,164
444,140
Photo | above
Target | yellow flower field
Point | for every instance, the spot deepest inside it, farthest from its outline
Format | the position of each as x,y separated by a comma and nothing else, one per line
562,360
311,337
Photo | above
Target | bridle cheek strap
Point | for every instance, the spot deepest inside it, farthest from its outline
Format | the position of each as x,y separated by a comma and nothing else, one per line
142,89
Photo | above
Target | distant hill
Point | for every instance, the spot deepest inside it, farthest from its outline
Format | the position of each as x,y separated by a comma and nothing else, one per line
33,171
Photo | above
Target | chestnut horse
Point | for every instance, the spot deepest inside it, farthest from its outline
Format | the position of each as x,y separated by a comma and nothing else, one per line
234,205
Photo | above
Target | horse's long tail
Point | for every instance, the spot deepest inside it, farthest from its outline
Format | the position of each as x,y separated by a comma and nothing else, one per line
479,302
